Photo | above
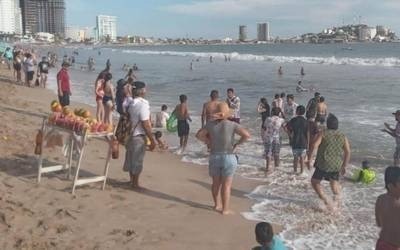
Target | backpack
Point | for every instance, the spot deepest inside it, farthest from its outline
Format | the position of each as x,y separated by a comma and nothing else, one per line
124,127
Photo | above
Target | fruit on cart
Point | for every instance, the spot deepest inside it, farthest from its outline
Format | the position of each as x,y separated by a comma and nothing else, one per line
86,114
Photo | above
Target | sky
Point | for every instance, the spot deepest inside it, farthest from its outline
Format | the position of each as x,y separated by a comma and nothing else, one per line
221,18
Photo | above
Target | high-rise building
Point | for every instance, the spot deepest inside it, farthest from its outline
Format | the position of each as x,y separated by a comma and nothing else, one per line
10,17
43,16
242,33
106,27
263,32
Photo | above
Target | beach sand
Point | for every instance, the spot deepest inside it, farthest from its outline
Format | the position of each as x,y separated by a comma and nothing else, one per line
173,212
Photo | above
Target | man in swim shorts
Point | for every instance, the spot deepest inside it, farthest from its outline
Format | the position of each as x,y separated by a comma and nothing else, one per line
209,108
182,114
333,155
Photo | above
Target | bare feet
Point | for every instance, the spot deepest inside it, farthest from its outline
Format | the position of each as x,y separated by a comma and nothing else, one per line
227,212
218,208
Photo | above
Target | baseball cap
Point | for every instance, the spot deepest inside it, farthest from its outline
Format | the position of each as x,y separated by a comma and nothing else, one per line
65,64
317,94
397,112
139,85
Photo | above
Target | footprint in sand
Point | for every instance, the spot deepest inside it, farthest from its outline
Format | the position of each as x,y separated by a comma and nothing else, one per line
117,197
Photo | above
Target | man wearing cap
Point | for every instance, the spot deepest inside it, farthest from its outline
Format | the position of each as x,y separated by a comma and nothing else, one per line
395,132
311,109
63,85
219,135
139,111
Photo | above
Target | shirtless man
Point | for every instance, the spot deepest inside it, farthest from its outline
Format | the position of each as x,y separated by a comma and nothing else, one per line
322,111
182,114
387,211
209,108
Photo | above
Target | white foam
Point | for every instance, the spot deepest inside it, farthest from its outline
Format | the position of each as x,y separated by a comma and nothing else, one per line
385,62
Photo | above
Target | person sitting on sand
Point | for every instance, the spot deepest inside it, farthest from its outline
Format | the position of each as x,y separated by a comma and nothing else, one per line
333,155
161,143
387,212
265,237
272,138
162,117
209,108
365,175
182,114
219,134
395,132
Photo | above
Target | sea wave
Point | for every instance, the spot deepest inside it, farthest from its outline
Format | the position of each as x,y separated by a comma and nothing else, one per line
384,62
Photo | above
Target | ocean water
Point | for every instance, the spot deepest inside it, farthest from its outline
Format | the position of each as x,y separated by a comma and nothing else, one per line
360,86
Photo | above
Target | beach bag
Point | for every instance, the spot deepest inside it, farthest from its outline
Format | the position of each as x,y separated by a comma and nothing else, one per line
124,128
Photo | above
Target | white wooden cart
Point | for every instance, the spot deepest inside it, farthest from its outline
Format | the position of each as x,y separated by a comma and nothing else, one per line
46,128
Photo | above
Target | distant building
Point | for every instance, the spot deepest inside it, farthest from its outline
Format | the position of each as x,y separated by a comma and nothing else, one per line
366,33
43,16
10,17
106,27
382,30
242,33
263,32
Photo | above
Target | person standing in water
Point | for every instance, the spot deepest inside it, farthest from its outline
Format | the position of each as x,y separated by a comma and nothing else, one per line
333,156
182,114
219,135
322,111
280,71
234,104
99,92
302,73
264,110
209,108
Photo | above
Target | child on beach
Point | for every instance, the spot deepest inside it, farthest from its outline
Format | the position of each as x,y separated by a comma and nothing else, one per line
387,212
272,138
161,143
365,174
395,132
265,237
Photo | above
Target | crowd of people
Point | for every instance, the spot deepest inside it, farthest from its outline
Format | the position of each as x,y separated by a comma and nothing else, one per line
313,134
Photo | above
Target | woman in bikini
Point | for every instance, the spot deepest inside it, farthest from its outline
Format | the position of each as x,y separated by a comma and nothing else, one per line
108,98
99,92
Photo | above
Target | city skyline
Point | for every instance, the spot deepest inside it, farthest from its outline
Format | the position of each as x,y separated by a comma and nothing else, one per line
179,18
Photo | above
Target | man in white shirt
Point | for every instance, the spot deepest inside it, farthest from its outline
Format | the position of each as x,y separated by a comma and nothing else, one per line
162,117
139,111
289,110
234,104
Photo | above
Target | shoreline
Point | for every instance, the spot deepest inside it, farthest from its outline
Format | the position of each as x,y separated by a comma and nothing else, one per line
47,216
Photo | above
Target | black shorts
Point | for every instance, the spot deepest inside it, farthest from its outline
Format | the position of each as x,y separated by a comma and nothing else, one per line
322,175
64,100
320,118
29,75
17,66
183,128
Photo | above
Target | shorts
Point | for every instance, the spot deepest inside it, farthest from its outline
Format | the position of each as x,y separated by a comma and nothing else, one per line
183,128
17,66
322,175
29,75
320,118
272,148
222,165
134,156
237,120
299,152
396,154
64,100
106,99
